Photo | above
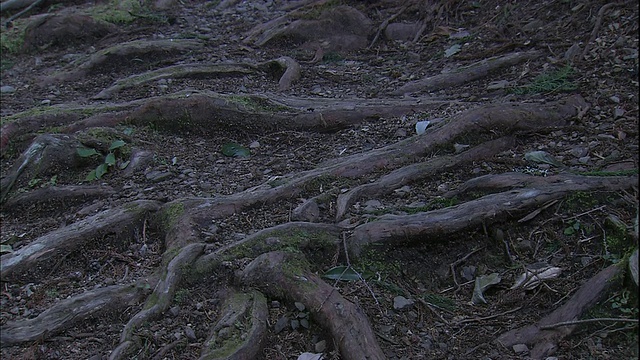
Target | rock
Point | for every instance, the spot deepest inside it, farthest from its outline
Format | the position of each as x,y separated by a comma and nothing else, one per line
190,334
321,346
520,349
308,211
174,311
401,31
157,176
7,89
400,302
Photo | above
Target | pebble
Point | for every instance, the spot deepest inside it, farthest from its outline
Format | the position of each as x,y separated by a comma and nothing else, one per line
400,302
520,349
189,333
7,89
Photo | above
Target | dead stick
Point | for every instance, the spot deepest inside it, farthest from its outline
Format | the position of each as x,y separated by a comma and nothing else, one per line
596,27
586,321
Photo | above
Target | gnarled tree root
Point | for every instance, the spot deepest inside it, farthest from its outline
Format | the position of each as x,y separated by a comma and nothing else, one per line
546,341
71,237
285,275
71,311
228,338
485,210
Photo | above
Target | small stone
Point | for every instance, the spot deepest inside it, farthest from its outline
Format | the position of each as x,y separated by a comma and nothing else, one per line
584,159
45,102
174,311
497,85
400,302
254,145
109,281
189,333
275,304
321,346
520,349
615,99
7,89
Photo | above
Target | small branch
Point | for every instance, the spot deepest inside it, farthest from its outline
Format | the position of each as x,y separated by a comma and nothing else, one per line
385,24
596,27
586,321
465,321
15,16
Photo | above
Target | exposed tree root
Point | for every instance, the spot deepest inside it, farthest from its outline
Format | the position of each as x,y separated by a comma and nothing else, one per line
471,214
546,341
160,298
241,329
62,194
71,311
466,74
407,174
176,72
121,53
285,275
71,237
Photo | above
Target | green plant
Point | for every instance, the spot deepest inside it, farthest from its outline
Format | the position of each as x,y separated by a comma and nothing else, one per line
11,40
181,295
550,82
624,303
109,160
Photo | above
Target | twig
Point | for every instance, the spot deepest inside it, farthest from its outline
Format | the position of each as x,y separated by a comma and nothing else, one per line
385,24
596,27
586,212
490,317
586,321
458,262
15,16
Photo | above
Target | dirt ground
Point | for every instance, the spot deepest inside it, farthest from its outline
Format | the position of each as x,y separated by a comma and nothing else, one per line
416,291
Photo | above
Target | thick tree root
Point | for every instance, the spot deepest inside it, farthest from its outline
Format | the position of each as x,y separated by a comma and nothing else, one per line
241,328
407,174
546,341
471,214
466,74
72,237
61,194
70,311
161,297
121,53
285,275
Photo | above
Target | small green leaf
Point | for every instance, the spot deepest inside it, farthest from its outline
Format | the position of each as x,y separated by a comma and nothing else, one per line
116,144
342,273
5,249
101,170
569,231
235,150
91,176
110,159
86,152
124,165
128,131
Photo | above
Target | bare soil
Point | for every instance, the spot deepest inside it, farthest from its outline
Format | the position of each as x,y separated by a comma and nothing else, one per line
182,251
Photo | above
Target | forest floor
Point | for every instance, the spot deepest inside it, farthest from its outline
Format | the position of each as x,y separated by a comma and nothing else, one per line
311,117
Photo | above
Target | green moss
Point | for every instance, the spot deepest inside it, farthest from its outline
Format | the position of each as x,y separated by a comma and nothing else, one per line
12,40
293,241
258,104
169,215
